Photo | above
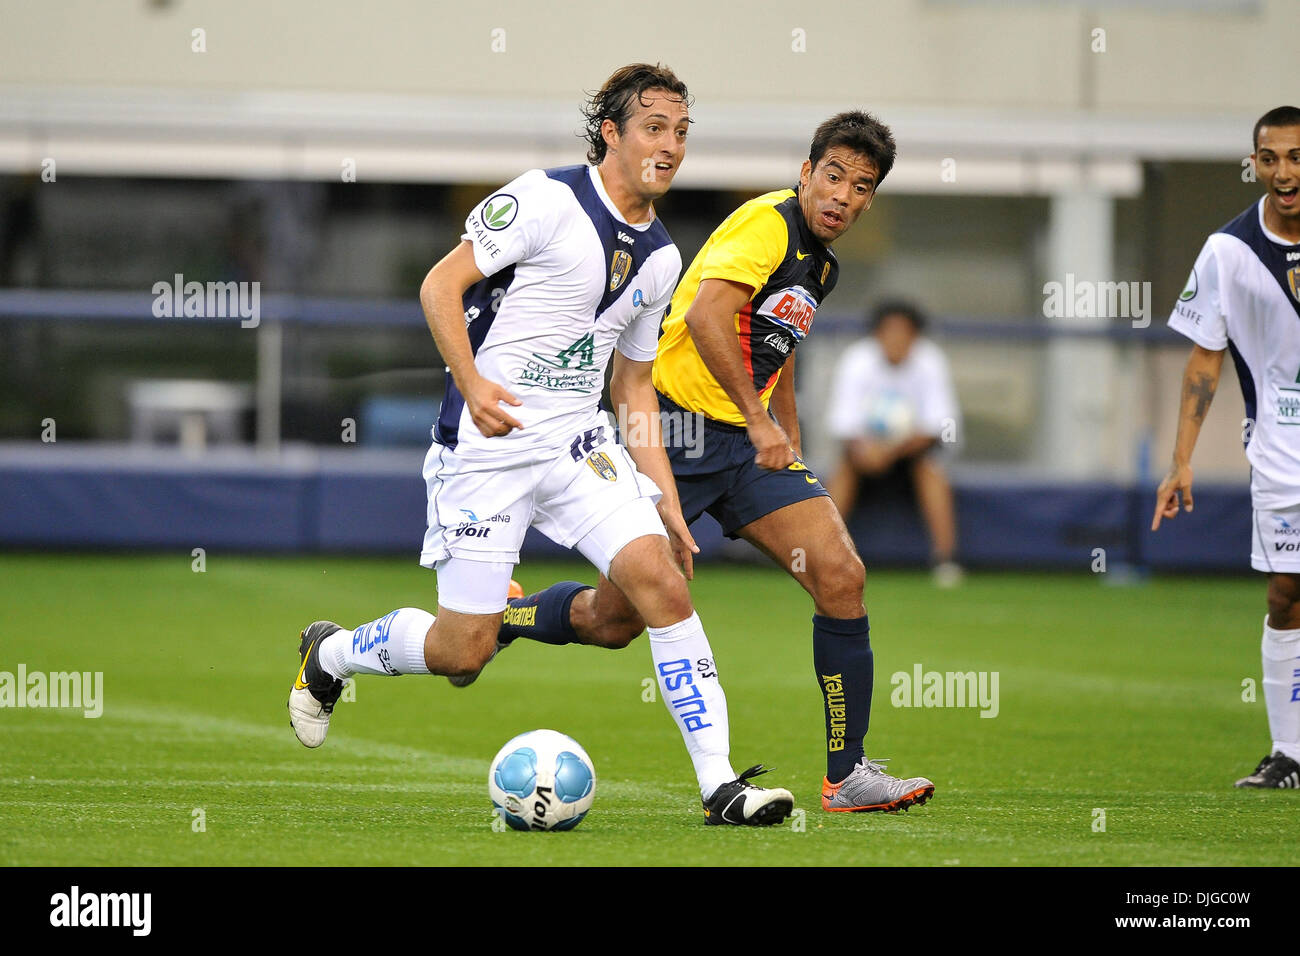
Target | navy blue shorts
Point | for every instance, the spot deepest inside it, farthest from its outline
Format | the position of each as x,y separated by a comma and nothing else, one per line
715,471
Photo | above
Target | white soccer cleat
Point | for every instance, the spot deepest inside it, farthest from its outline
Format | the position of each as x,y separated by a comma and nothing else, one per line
740,803
315,691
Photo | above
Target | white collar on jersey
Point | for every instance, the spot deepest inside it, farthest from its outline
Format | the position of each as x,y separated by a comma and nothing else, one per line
1272,236
596,181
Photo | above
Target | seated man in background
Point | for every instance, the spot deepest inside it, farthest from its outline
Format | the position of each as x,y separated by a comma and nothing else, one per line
892,409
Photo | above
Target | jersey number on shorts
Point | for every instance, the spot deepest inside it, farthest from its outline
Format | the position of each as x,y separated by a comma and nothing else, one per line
585,443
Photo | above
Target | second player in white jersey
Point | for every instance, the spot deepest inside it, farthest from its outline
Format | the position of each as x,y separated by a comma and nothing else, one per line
1243,299
1244,296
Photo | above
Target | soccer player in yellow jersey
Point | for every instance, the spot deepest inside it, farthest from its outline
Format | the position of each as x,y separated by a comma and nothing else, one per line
727,353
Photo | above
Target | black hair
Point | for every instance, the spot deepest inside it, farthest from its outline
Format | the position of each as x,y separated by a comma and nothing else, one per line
907,310
614,100
860,132
1278,116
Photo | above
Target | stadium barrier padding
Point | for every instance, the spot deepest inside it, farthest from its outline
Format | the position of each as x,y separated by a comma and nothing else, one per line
109,500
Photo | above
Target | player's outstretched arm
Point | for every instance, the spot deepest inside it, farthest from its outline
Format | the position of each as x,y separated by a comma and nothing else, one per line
712,323
441,296
1200,379
636,404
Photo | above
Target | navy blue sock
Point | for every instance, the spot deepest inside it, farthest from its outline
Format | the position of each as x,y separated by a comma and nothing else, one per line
845,671
543,616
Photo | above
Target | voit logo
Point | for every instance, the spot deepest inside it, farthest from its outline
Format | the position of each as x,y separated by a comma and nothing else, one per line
475,527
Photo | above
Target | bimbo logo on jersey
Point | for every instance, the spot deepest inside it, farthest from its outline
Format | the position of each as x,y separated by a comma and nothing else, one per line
794,308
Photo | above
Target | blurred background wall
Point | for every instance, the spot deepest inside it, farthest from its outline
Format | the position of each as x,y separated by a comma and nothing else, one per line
330,151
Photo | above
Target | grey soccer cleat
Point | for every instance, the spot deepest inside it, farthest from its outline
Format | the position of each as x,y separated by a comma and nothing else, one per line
868,788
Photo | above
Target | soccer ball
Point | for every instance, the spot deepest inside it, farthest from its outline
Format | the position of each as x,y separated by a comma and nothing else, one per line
542,780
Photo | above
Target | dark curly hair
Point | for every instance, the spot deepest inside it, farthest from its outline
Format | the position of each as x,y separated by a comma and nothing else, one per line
614,100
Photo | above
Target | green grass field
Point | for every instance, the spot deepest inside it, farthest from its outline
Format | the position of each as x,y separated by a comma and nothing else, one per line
1123,699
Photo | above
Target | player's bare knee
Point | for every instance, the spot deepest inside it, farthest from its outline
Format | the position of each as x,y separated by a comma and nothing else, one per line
470,656
614,627
673,596
837,588
619,633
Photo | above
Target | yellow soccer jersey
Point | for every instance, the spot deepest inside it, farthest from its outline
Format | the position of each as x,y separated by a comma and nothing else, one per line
766,245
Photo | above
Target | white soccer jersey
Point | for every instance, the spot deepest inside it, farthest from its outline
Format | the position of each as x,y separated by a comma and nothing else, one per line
568,280
922,380
1244,295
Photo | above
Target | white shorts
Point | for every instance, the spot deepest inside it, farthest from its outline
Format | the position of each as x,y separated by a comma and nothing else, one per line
590,496
1275,541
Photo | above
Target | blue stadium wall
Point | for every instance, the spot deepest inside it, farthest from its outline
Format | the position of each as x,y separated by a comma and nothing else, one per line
97,504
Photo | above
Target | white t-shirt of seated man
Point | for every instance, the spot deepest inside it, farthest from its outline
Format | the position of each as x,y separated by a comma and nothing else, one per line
874,399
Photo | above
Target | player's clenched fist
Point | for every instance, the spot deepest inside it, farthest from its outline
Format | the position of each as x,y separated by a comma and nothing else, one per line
772,445
1178,482
484,398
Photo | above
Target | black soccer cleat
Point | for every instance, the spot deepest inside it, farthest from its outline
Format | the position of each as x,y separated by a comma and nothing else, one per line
315,691
1275,771
740,803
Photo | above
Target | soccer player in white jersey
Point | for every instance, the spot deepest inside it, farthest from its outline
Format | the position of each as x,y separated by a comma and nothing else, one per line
558,272
1243,297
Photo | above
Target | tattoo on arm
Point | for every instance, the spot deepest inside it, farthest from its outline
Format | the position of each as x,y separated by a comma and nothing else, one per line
1201,389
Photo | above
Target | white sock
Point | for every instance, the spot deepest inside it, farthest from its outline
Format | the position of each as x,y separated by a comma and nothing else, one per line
689,683
1280,651
392,645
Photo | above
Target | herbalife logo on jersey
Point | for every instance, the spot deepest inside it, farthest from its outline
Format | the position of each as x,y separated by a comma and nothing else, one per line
572,368
499,211
496,214
1082,299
